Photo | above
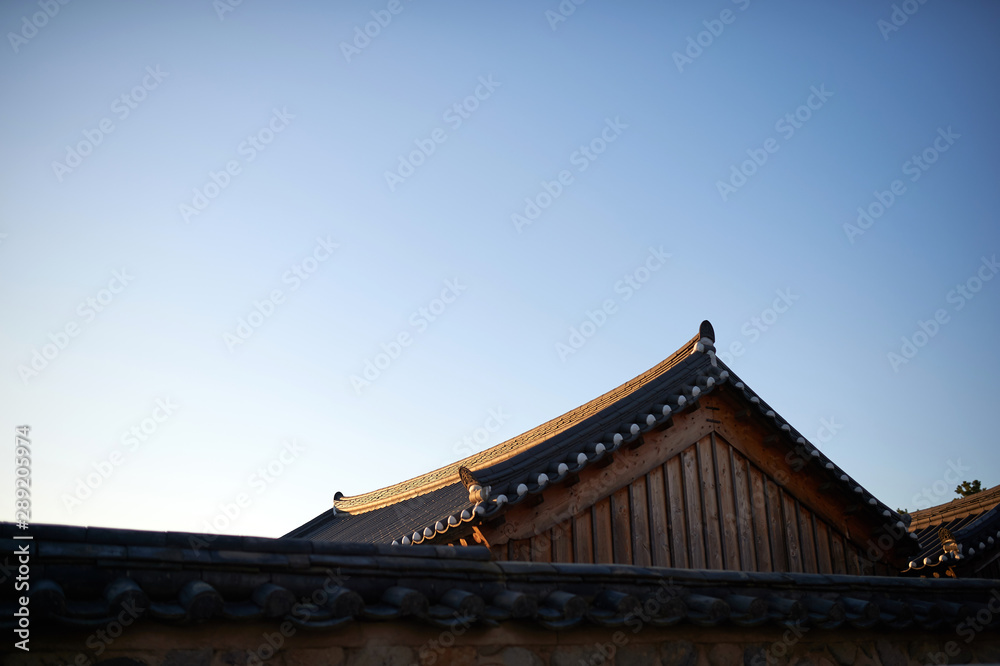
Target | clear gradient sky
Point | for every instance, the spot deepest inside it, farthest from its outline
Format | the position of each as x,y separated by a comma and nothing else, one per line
169,168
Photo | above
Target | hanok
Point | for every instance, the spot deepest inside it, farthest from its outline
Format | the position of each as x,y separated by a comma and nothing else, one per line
683,466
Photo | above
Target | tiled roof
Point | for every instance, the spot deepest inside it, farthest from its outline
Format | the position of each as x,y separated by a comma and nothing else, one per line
542,434
973,522
81,577
963,507
553,453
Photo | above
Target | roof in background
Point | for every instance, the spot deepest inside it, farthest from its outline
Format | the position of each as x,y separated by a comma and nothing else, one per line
973,522
431,504
963,507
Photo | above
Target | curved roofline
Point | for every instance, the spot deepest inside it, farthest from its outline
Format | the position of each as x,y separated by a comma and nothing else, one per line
447,475
956,508
721,375
556,451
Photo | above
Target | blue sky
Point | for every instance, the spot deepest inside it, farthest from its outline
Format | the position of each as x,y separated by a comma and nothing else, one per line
187,167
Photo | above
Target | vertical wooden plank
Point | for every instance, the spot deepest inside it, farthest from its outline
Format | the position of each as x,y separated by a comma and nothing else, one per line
676,513
562,542
823,558
869,566
520,550
776,526
583,537
758,515
807,540
639,504
791,527
853,565
603,539
866,566
837,550
727,504
541,547
499,552
621,526
710,505
659,532
741,495
692,509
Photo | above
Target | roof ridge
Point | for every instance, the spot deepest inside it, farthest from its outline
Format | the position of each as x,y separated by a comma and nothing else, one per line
448,474
620,416
960,507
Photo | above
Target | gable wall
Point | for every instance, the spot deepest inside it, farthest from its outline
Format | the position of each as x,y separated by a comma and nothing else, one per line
707,507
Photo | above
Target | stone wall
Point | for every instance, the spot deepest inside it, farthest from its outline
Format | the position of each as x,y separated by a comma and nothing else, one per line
514,644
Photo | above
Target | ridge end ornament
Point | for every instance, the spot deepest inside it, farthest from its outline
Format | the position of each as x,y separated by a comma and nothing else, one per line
477,492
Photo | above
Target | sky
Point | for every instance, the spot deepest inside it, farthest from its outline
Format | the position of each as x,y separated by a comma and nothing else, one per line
256,253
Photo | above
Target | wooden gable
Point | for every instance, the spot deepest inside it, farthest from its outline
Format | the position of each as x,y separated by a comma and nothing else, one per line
681,466
709,490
